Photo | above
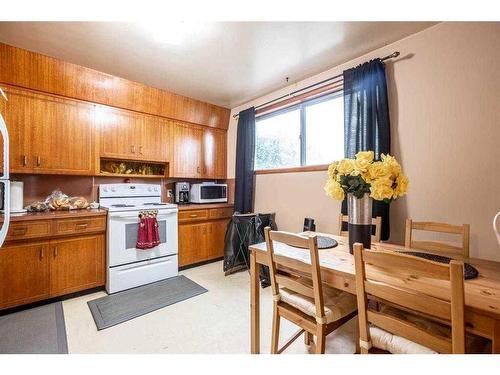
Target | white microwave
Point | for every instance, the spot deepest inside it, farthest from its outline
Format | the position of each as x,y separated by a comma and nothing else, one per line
208,192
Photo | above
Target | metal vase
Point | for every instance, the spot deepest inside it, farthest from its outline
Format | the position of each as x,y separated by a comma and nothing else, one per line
360,220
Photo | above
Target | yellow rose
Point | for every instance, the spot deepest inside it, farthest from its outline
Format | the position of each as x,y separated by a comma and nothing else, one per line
332,170
365,156
381,189
392,165
345,167
377,170
334,190
401,186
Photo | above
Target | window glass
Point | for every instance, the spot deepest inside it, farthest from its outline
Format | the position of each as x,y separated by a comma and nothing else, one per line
277,141
311,133
324,131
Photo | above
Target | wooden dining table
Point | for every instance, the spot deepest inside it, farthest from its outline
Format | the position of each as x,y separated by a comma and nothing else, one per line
482,294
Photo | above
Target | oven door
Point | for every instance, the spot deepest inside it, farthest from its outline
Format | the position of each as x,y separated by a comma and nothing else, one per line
122,237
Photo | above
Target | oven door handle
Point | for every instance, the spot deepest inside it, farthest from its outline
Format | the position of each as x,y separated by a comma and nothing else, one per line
131,216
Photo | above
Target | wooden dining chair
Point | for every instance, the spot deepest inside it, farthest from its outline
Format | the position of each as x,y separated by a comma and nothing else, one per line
299,295
376,222
441,247
399,326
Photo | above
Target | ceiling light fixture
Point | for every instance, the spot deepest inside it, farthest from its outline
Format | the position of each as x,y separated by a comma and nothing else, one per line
174,33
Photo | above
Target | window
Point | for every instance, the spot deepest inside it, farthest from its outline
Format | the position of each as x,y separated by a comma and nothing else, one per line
311,133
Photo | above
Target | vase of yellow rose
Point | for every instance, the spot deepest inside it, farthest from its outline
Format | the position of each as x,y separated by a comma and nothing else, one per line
361,180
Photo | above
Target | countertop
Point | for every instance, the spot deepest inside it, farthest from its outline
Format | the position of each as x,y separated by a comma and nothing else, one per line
203,206
50,215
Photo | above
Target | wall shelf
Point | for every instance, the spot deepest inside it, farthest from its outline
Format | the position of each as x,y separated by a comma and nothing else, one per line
136,169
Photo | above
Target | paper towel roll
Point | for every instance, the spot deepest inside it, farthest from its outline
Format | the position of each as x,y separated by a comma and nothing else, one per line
16,195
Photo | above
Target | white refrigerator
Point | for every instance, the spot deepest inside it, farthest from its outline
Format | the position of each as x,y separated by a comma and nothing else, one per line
4,178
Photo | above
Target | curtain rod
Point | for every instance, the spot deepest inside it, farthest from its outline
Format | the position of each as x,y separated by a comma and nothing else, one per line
391,56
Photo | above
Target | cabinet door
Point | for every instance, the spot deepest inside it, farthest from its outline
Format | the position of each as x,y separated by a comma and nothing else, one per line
216,235
192,243
156,139
24,273
62,138
76,264
121,133
214,154
18,116
188,151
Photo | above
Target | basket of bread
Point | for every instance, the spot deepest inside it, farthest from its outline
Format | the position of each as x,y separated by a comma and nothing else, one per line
58,201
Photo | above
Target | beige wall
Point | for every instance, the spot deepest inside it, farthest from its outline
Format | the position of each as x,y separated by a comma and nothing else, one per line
445,119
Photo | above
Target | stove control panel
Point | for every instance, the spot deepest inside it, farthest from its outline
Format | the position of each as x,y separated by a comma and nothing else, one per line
129,190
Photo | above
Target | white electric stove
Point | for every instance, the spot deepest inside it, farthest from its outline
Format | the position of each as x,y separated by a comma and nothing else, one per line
129,267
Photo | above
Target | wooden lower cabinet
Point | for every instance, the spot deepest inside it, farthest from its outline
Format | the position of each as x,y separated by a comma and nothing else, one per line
37,264
192,243
24,273
215,240
202,239
76,264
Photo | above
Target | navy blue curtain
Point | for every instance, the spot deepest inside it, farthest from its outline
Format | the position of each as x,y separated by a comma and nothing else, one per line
245,152
366,121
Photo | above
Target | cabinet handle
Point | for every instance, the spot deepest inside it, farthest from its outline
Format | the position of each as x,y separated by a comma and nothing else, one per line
25,160
132,149
81,225
38,161
140,150
198,169
55,251
20,231
41,253
193,215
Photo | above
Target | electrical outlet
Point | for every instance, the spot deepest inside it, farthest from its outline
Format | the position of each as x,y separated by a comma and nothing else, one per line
169,193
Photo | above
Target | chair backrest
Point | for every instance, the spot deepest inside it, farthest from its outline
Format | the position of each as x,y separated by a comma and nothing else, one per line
462,230
386,279
275,239
376,222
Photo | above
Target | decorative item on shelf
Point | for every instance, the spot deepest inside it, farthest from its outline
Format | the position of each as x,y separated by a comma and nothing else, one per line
363,179
132,168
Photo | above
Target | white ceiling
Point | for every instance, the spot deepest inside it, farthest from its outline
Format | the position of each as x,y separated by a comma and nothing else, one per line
225,63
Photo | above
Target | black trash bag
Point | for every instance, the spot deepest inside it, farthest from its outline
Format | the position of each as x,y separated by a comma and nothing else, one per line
262,221
243,231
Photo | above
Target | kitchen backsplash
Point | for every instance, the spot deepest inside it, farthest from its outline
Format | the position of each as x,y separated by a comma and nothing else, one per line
38,187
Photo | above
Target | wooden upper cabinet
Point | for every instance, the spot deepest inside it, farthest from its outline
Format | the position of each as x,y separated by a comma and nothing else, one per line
49,134
62,136
18,117
133,136
157,137
188,151
214,154
120,133
22,68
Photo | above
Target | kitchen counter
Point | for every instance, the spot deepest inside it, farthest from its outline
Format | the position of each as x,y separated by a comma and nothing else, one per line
49,215
203,206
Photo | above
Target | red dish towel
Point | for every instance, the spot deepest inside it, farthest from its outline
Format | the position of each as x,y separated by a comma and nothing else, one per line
148,235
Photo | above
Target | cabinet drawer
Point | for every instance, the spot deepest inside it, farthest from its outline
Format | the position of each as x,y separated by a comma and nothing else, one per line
219,213
193,215
28,229
84,225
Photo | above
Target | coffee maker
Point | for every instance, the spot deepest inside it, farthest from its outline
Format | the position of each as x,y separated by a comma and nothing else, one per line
182,192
